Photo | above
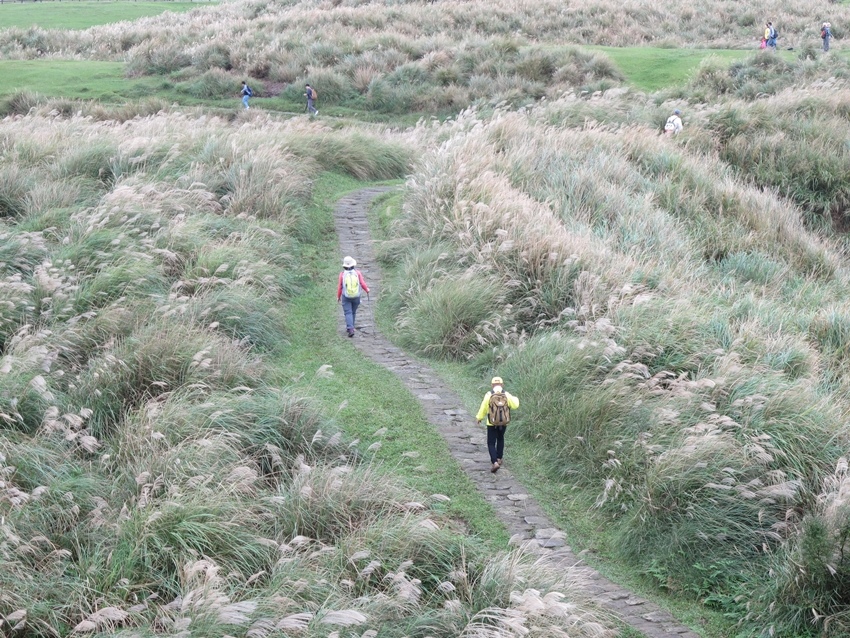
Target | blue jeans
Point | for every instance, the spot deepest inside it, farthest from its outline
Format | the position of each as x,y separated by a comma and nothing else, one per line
311,106
496,441
349,307
245,100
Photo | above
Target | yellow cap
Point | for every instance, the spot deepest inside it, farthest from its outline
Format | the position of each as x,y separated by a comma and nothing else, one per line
496,380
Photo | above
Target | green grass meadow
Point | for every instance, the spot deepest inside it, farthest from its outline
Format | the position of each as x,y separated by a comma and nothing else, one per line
652,69
82,15
78,79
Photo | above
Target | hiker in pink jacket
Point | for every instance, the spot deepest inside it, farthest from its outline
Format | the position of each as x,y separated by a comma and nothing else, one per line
351,284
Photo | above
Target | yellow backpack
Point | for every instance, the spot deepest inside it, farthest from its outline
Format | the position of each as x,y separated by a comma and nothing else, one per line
351,283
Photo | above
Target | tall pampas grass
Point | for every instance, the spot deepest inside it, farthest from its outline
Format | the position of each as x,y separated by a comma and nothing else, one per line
676,333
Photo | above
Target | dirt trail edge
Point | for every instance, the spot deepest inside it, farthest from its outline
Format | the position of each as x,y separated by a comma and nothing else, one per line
521,514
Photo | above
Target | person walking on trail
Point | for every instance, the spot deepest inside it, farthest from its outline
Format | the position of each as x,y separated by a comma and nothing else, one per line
246,94
496,407
311,95
770,36
351,285
825,35
674,125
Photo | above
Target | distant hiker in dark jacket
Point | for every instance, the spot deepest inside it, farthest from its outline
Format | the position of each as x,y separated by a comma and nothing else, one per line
310,94
351,285
825,35
246,93
496,406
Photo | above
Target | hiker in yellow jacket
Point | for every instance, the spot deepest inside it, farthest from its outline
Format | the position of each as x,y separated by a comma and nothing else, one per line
496,406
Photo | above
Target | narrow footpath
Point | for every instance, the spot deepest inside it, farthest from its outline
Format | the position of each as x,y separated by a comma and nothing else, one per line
518,511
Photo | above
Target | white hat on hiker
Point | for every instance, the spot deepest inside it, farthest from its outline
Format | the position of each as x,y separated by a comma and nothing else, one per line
349,262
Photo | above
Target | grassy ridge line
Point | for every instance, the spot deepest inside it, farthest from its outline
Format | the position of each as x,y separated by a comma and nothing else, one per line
364,396
644,68
82,15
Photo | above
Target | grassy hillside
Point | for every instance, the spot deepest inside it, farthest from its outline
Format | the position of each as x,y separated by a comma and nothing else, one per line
672,313
158,468
371,57
676,336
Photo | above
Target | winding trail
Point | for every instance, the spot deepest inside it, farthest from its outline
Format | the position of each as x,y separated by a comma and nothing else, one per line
518,511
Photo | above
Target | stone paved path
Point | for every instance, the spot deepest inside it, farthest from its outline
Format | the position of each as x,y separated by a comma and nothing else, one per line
519,512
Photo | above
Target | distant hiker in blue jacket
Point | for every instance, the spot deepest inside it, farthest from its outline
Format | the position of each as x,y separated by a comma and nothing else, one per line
246,93
825,35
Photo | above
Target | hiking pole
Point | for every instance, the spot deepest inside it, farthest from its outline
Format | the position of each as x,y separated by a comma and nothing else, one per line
371,313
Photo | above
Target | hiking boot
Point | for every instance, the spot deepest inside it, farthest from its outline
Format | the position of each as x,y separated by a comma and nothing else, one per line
495,468
351,332
500,462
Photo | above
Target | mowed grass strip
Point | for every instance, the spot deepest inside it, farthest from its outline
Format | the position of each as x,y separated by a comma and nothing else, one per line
103,82
82,15
365,396
651,69
77,79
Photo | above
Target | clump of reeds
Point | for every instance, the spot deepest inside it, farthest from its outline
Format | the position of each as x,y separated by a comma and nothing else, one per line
677,334
153,474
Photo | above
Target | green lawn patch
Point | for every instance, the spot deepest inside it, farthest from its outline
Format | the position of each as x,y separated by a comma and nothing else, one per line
77,79
651,69
82,15
100,81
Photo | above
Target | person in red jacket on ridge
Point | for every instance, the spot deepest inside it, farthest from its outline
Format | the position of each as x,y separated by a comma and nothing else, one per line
351,285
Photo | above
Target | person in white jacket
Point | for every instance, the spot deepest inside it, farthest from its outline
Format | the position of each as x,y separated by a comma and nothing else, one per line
674,124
